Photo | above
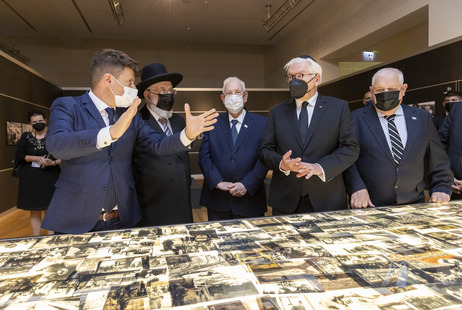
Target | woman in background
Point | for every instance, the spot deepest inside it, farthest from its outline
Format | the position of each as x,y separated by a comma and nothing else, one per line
39,171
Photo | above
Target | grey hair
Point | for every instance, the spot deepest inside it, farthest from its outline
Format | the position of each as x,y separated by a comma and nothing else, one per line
386,71
314,66
233,78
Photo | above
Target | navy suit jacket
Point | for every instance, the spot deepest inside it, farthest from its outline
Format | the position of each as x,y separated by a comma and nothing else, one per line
81,189
331,142
221,161
376,171
451,135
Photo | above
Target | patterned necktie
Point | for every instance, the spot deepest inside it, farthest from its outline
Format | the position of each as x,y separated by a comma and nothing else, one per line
303,121
396,144
164,123
110,115
234,130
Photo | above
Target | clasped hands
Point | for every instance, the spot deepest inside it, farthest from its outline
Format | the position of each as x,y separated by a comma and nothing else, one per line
195,125
235,189
303,169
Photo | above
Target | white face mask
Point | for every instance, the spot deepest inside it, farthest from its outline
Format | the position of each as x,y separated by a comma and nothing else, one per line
234,103
124,100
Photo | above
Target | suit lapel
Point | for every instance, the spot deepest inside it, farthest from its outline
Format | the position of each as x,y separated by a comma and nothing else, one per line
318,111
412,130
370,117
91,108
291,113
246,126
176,124
223,122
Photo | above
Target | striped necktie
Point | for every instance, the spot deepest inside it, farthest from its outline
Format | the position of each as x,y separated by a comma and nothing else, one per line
164,123
396,145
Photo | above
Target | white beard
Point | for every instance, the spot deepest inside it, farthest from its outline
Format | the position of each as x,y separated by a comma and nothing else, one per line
161,113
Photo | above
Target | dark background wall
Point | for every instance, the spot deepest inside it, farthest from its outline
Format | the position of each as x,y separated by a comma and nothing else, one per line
20,92
428,75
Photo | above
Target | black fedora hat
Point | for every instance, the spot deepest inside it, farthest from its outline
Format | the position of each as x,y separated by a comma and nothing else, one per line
155,73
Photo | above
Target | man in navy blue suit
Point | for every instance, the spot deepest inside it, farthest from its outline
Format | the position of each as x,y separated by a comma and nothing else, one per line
451,136
233,175
94,135
396,141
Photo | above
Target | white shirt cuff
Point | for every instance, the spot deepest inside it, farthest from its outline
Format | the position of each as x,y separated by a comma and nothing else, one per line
104,138
286,172
322,176
184,138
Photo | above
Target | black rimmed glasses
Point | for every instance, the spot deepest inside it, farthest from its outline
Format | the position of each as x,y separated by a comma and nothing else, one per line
298,76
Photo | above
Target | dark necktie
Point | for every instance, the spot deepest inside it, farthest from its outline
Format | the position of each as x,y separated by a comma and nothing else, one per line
110,115
166,129
110,200
396,144
303,121
234,131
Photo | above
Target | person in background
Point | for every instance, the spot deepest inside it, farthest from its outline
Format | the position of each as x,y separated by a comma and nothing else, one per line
95,135
308,141
450,97
163,183
396,142
451,136
233,175
367,99
39,171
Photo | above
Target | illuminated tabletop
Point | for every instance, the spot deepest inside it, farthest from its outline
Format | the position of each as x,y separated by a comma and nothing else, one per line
406,257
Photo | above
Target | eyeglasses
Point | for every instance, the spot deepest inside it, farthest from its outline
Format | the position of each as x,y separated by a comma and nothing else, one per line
381,90
298,76
162,91
239,93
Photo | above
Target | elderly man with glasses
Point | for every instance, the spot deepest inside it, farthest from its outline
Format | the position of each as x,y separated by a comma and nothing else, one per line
233,175
309,140
163,183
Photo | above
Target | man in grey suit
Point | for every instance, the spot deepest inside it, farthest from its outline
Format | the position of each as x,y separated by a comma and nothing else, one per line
163,183
308,142
396,142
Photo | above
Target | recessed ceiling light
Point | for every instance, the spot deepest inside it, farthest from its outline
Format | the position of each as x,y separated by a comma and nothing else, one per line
187,28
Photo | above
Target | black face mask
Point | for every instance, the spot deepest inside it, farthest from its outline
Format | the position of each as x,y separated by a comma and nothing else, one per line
449,105
388,100
165,102
39,126
298,88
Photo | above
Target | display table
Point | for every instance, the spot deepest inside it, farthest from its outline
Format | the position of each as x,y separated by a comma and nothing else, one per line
406,257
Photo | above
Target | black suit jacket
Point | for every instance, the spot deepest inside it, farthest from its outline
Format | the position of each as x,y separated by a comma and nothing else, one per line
451,135
331,142
376,171
163,183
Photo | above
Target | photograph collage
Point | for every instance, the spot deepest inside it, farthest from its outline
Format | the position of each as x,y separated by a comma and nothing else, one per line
388,258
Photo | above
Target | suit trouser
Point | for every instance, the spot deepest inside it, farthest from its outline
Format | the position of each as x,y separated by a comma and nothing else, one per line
304,206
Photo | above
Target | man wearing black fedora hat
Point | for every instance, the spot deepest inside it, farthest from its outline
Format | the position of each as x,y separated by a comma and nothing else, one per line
163,183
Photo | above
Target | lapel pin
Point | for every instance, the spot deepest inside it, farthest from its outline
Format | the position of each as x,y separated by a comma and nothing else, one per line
245,125
414,118
320,106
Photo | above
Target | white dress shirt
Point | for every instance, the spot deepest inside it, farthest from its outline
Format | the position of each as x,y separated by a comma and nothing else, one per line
310,110
400,122
240,120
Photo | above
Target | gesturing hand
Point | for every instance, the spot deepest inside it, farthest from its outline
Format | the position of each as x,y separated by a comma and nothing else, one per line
290,164
195,125
122,124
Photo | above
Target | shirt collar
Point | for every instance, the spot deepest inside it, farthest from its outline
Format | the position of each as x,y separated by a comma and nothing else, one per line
240,118
398,112
100,105
154,114
311,101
